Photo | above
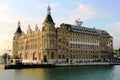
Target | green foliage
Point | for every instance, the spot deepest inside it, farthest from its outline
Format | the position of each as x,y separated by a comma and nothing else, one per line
5,56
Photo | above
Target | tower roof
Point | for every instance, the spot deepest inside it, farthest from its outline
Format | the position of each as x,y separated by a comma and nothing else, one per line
48,18
86,30
19,29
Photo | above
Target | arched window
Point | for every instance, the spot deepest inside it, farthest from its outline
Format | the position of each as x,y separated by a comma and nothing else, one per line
59,56
26,56
63,56
63,49
63,42
73,56
34,56
52,45
52,55
70,55
76,56
21,55
45,44
39,56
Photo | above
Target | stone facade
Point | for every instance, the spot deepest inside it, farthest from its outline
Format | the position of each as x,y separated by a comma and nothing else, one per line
62,44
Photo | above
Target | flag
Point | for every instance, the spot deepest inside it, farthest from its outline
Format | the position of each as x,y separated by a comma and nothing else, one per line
78,22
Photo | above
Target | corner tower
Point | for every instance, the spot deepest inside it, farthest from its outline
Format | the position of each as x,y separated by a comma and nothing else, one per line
17,34
48,20
49,50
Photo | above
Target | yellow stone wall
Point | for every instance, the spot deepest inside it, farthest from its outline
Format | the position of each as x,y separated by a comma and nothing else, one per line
63,44
54,44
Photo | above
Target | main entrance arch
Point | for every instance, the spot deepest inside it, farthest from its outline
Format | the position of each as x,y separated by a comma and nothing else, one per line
45,58
34,56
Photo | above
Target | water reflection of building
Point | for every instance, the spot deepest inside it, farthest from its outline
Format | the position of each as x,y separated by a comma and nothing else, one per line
64,43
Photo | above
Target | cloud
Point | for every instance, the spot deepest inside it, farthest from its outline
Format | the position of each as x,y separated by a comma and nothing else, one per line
4,8
43,6
115,26
116,42
86,11
8,25
83,11
32,21
8,21
115,32
6,45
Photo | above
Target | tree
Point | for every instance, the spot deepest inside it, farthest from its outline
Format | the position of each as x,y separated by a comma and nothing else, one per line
5,57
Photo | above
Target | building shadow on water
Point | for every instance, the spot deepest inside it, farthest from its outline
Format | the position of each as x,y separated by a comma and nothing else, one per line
66,73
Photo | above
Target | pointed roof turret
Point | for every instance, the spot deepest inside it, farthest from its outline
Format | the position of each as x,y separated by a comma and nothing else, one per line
48,18
36,28
29,30
19,29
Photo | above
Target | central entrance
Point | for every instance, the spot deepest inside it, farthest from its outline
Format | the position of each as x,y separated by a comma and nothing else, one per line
45,58
67,60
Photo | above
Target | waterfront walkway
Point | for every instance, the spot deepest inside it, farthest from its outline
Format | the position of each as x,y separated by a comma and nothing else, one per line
81,64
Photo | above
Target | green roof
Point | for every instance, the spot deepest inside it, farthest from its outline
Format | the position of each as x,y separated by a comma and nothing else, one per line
85,30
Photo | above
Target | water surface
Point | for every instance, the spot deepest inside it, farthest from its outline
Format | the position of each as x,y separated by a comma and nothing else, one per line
63,73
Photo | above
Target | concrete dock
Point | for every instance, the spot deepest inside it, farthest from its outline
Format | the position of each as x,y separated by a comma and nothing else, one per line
22,66
47,65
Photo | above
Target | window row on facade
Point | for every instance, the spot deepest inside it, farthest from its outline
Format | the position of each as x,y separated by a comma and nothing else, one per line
84,40
84,31
84,51
72,45
78,56
82,35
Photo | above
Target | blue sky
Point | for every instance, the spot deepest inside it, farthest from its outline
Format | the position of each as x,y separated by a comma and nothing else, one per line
102,14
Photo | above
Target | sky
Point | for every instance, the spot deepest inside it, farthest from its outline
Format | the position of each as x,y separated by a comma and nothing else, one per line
102,14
